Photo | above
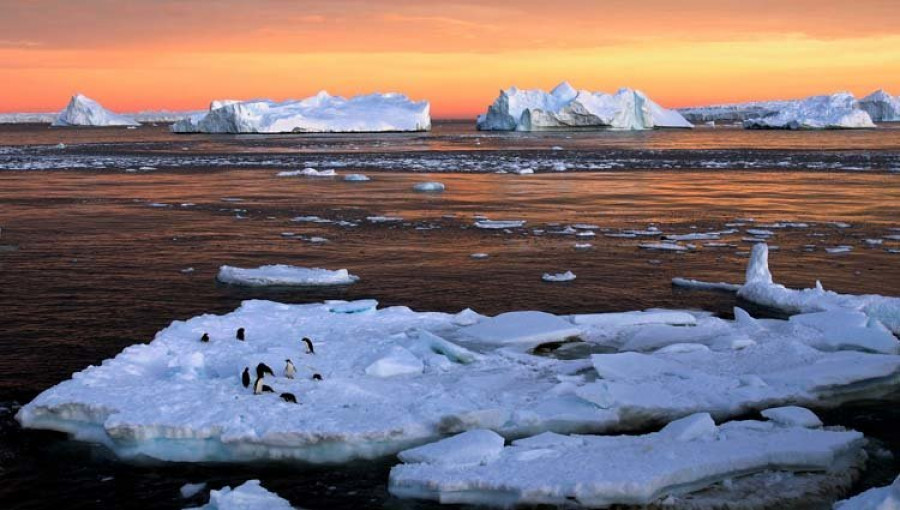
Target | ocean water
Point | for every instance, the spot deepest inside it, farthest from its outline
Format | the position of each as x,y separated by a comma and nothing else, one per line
96,234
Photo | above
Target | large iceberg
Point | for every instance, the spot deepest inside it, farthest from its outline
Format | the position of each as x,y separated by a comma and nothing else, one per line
837,111
84,111
567,108
685,457
383,380
321,113
881,106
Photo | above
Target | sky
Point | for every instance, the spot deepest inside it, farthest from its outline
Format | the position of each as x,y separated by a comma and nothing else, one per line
179,54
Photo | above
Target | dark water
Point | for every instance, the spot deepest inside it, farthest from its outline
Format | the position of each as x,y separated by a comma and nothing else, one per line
88,266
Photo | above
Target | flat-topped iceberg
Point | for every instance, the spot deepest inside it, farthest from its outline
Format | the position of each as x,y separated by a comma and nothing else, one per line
321,113
284,275
881,106
567,108
685,457
248,496
384,380
836,111
83,111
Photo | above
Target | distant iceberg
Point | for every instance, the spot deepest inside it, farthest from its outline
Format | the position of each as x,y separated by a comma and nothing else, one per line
84,111
881,106
321,113
837,111
566,108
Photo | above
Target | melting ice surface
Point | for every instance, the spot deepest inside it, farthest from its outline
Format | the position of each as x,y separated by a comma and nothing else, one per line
321,113
284,275
248,496
598,471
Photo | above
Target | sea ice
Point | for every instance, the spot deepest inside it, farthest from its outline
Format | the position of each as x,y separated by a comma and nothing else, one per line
321,113
85,112
284,275
523,328
499,225
837,111
880,498
566,108
190,490
688,283
307,172
687,456
568,276
429,187
357,178
248,496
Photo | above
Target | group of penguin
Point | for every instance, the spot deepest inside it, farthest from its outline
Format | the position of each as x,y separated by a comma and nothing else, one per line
262,369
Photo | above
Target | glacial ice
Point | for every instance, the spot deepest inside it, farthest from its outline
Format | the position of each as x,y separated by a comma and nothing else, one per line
837,111
686,456
180,399
566,108
321,113
284,275
759,288
881,106
83,111
880,498
248,496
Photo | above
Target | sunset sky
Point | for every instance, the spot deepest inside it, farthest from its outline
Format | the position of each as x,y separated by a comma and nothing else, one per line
180,54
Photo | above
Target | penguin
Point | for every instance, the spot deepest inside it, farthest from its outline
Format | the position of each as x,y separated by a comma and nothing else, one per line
260,388
245,377
309,346
262,369
289,369
240,334
317,377
205,337
289,397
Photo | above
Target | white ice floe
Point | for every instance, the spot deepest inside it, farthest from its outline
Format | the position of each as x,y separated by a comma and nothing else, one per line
688,283
837,111
839,249
479,255
760,288
321,113
357,178
83,111
687,456
248,496
429,187
307,172
284,275
568,276
663,247
384,219
393,379
190,490
881,106
879,498
566,108
498,224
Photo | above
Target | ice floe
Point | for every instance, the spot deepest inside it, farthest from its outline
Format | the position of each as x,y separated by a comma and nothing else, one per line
879,498
499,224
567,108
568,276
321,113
357,178
83,111
284,275
687,456
429,187
307,172
701,285
248,496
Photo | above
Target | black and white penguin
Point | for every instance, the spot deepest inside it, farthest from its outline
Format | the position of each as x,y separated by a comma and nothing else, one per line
205,337
260,388
317,377
262,369
309,346
289,397
245,377
240,334
289,369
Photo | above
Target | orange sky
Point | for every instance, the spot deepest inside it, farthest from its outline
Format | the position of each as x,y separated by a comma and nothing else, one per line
180,54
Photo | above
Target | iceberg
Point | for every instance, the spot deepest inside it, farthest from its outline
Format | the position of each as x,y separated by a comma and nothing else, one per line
881,106
568,276
248,496
685,457
567,108
284,275
759,288
83,111
837,111
321,113
879,498
429,187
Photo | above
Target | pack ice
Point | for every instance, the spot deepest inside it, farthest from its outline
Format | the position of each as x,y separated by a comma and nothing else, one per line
248,496
686,456
284,275
84,111
567,108
392,378
835,111
321,113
